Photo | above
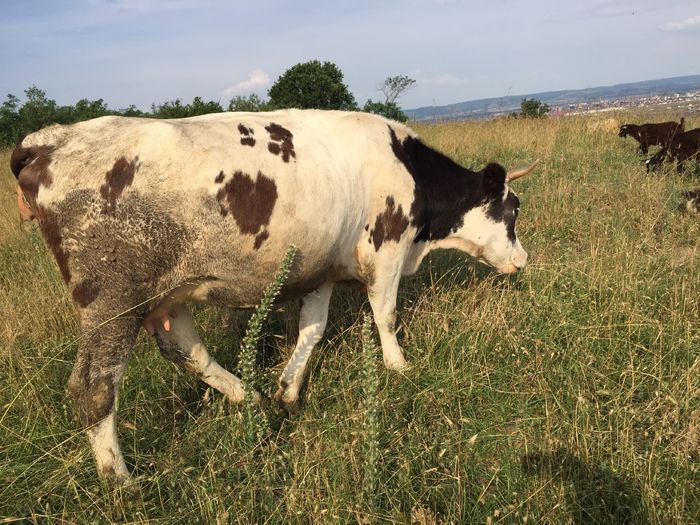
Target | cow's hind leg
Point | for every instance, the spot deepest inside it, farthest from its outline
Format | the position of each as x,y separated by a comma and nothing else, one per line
382,297
102,355
312,322
182,345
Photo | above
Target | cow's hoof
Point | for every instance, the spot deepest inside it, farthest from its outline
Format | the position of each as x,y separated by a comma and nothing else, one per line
123,488
115,475
128,487
292,406
397,365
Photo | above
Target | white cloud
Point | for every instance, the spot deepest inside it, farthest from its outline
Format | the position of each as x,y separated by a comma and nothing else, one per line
256,79
689,23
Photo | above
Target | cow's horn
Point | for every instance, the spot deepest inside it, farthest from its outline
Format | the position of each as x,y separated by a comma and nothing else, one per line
512,175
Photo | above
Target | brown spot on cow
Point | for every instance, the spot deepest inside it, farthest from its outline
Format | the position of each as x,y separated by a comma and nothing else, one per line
274,148
260,238
280,141
389,225
117,179
247,138
31,166
85,292
51,230
94,397
249,202
220,177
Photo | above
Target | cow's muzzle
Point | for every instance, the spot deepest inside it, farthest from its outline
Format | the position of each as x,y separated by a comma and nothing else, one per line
516,263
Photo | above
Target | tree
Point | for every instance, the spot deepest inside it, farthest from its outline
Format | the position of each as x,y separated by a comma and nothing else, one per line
175,108
200,107
9,121
386,109
312,85
84,109
37,111
394,86
533,108
169,109
250,103
130,111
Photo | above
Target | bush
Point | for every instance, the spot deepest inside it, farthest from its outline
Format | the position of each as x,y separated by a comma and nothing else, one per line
533,108
386,109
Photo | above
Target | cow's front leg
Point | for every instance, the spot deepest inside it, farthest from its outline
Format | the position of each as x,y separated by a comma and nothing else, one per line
94,384
382,297
181,344
312,322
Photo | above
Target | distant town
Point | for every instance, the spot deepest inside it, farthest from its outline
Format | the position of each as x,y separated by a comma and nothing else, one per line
686,103
681,94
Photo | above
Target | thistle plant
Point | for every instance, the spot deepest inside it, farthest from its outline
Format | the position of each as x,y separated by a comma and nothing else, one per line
255,423
370,387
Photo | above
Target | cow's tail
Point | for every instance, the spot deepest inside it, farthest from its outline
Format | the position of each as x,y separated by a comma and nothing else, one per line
20,157
28,149
34,145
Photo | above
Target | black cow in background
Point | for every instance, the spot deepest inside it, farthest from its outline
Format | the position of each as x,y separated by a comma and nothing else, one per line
684,146
660,134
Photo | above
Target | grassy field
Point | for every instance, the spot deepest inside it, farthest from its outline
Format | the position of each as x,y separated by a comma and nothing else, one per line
567,394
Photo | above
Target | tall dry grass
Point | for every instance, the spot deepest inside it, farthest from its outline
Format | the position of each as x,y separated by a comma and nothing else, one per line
568,394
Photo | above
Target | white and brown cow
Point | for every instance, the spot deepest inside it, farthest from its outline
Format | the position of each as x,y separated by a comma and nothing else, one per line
145,216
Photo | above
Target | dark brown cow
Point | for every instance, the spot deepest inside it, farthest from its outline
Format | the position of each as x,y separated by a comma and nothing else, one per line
684,147
647,135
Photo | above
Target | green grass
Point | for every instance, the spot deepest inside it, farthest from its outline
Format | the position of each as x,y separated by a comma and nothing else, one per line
567,394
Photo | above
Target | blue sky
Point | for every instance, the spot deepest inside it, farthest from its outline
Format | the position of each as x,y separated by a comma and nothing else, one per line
144,51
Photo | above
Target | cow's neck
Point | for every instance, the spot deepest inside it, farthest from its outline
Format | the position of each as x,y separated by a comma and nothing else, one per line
420,249
444,191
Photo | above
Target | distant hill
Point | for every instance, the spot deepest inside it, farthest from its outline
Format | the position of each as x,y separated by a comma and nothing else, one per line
490,106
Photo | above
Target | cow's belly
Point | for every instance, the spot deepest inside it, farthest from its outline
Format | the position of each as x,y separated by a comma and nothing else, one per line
234,265
245,291
222,267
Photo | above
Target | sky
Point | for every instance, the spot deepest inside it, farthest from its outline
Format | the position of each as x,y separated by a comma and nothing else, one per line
144,51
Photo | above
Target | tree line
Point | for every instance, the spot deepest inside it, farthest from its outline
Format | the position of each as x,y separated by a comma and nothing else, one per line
306,85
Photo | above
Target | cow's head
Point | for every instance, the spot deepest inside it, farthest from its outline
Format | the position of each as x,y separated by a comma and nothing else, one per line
624,130
487,231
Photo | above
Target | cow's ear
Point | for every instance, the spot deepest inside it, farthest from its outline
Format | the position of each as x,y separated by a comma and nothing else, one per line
494,180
